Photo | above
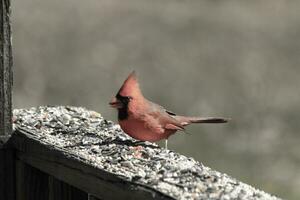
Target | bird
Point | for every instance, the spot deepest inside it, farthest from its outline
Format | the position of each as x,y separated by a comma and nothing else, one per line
145,120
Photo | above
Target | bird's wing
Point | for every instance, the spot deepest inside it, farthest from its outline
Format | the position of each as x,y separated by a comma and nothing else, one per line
164,118
169,112
174,127
152,122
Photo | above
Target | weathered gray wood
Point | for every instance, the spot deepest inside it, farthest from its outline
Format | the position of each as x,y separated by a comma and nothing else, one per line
32,184
99,183
7,175
5,70
91,197
59,190
20,180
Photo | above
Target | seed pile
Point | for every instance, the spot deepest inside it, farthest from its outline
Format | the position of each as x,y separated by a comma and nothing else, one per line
102,144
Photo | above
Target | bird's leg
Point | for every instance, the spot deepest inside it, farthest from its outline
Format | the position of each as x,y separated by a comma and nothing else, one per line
166,143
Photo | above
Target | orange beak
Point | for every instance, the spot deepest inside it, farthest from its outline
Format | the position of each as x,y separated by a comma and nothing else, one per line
115,103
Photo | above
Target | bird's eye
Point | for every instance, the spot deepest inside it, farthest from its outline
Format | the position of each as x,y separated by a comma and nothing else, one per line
129,98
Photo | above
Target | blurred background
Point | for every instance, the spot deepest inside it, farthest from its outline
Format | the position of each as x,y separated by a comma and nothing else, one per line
237,59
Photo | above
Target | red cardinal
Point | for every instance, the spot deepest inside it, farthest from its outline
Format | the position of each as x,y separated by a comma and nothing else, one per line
145,120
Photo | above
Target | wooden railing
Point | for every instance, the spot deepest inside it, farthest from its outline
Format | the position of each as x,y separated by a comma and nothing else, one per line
73,153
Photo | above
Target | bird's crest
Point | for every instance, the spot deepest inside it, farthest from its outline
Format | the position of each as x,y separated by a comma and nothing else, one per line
130,86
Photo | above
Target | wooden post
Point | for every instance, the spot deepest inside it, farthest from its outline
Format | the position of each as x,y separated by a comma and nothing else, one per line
5,71
7,167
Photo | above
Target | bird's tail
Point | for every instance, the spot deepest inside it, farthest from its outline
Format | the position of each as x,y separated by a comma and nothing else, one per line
188,120
208,120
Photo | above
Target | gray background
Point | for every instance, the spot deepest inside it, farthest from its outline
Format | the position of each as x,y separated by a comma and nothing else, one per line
238,59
